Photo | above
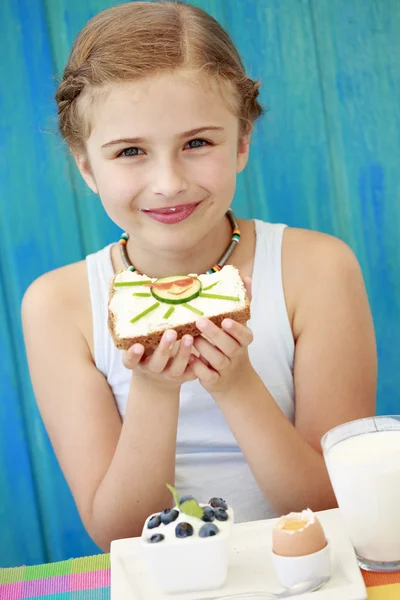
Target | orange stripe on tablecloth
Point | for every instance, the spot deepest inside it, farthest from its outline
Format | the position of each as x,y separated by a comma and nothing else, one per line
372,578
384,592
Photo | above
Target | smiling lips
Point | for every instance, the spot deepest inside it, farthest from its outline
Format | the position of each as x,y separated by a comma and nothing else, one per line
172,214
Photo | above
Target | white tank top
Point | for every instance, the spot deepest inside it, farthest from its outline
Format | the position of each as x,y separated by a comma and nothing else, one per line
209,461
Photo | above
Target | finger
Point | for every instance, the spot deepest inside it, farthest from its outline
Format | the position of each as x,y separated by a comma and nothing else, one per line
241,333
147,352
180,362
248,283
197,353
132,357
158,360
205,374
221,339
210,353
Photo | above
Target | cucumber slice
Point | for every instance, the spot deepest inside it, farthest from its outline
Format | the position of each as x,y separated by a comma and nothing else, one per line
145,312
220,297
176,289
131,283
169,312
210,286
193,309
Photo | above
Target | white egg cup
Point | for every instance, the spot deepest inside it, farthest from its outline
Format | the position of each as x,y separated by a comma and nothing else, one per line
189,564
291,570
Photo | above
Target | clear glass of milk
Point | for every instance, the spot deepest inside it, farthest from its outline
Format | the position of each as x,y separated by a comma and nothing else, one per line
363,461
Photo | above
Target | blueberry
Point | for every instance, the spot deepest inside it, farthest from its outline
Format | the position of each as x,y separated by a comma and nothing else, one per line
221,514
169,515
183,530
208,515
218,503
183,499
208,530
155,521
157,537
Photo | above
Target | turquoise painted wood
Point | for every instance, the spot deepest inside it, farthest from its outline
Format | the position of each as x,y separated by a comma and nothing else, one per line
324,157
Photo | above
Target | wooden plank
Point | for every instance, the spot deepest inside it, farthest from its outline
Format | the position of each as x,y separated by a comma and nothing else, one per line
64,21
358,47
21,535
288,177
39,231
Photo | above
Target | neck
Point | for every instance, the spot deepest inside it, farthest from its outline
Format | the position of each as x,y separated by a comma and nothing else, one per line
197,259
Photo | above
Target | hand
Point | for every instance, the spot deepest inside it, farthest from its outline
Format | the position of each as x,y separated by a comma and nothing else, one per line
163,366
223,358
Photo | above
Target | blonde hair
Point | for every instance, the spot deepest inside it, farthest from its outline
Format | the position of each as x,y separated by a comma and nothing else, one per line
139,39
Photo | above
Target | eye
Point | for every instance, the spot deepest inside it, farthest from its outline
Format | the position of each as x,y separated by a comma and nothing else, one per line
197,144
128,152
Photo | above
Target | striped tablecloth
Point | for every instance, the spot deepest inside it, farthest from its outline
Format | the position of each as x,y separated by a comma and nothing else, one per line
89,579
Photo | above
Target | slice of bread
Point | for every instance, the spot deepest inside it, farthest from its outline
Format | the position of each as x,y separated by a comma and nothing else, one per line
163,302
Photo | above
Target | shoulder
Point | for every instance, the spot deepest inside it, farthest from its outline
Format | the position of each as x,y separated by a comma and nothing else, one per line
310,248
61,294
63,283
312,251
318,270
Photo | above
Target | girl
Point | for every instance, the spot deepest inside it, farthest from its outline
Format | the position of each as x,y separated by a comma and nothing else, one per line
158,112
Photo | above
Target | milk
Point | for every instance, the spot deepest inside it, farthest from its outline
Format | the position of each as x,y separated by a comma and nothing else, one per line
365,474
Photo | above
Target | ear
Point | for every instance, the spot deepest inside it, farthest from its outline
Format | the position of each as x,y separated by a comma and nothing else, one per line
243,152
82,162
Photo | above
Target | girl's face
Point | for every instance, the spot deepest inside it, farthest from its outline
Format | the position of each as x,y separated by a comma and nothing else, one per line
163,155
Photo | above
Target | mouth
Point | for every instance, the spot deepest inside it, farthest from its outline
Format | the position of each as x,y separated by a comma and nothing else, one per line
171,214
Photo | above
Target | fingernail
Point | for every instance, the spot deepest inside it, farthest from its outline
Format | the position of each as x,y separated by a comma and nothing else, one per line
170,336
228,323
188,341
201,324
137,349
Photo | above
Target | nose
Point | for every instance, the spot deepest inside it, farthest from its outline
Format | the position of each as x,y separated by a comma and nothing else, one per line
168,179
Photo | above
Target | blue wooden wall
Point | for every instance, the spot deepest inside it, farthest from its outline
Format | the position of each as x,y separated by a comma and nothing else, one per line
325,157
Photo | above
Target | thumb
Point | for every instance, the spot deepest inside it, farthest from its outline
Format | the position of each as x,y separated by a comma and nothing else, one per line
131,358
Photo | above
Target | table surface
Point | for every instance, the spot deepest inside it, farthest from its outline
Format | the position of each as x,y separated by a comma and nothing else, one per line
88,578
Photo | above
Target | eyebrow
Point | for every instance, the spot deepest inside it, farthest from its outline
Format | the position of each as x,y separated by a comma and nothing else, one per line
142,140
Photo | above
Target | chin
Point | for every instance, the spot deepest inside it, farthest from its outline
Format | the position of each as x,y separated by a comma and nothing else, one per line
185,234
184,241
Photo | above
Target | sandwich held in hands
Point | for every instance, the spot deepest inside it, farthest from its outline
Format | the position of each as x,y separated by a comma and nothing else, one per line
140,308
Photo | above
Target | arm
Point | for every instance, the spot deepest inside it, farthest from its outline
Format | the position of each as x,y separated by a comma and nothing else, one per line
144,460
116,472
334,374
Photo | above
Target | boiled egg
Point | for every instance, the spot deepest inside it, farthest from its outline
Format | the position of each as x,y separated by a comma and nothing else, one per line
298,534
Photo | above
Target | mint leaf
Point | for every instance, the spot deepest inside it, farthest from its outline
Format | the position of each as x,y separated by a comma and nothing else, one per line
174,493
191,508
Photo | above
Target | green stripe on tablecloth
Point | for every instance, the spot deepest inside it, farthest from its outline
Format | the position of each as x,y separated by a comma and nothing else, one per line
11,575
65,567
47,570
91,563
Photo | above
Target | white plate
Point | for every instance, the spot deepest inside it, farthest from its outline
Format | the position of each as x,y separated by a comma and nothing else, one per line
250,566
